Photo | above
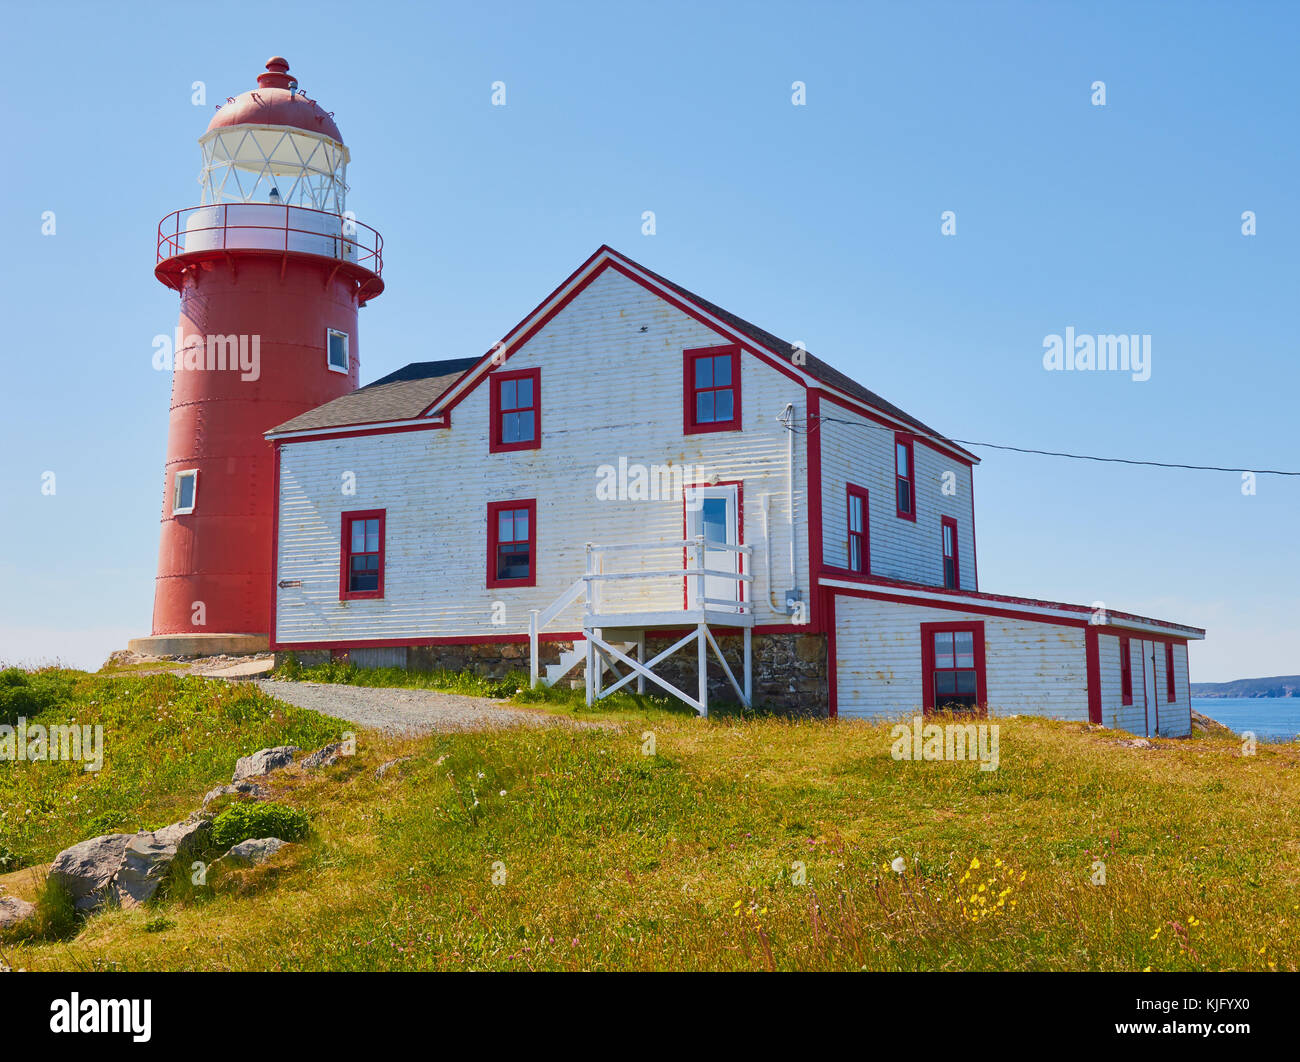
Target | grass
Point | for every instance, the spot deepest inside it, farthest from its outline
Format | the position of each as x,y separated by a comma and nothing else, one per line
167,741
561,700
747,844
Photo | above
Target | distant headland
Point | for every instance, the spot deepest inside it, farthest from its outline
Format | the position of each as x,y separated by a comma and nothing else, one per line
1281,686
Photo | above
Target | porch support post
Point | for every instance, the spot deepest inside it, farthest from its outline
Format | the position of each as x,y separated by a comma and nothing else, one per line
703,655
532,647
749,668
591,665
640,657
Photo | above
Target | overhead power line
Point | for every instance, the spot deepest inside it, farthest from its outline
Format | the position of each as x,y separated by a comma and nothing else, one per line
1090,457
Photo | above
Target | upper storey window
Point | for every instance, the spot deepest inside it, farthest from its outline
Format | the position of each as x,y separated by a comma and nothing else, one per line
712,393
904,476
516,410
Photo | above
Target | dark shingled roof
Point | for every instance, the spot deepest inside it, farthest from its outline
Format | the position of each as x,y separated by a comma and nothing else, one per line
813,365
409,391
400,395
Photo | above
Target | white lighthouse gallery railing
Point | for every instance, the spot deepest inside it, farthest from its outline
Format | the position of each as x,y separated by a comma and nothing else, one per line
270,227
676,594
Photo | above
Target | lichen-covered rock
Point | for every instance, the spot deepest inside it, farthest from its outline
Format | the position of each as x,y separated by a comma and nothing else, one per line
13,910
86,870
384,768
148,856
251,853
326,757
264,761
251,789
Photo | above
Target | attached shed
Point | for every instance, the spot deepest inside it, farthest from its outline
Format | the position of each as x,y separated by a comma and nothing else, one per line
898,648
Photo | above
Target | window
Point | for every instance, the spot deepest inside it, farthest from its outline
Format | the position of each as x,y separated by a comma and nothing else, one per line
512,543
1170,694
904,476
951,571
336,350
187,485
952,661
859,554
516,411
361,568
712,389
1125,671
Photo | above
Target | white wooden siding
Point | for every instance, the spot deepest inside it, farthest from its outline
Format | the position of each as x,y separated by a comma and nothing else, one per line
608,390
1030,668
862,453
1175,719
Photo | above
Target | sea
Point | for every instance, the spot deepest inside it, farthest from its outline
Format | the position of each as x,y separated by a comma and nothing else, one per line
1268,718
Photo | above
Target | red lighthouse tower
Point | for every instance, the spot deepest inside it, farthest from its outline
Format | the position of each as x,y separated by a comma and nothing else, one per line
271,268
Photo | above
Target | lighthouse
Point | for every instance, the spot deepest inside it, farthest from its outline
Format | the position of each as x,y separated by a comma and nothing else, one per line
271,269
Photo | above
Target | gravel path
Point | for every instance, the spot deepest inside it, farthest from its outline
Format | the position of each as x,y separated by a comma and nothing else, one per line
406,711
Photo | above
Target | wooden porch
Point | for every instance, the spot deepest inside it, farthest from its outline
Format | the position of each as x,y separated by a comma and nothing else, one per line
618,610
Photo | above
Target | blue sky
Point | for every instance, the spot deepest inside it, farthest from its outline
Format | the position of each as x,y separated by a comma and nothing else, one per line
819,222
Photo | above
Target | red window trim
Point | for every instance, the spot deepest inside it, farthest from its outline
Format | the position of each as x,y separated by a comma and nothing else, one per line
495,445
852,491
345,553
928,631
1170,692
689,426
492,524
1125,670
950,522
902,438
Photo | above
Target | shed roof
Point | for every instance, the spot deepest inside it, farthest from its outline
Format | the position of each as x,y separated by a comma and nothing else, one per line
400,395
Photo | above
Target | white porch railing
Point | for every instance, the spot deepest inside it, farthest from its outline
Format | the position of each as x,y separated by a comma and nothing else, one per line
604,608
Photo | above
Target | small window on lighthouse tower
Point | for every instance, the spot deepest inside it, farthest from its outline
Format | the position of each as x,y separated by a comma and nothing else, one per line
187,484
337,344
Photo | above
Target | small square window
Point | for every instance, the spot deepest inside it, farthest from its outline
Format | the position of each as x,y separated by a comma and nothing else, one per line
336,350
952,664
187,486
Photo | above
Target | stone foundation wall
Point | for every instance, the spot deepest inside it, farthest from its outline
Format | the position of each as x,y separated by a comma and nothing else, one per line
789,669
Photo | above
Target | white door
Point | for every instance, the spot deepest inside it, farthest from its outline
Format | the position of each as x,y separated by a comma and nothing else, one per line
713,513
1148,651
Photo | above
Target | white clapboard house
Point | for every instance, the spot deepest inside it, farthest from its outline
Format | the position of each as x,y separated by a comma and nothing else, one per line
634,482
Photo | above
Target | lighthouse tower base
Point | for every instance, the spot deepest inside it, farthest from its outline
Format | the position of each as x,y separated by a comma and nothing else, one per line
200,644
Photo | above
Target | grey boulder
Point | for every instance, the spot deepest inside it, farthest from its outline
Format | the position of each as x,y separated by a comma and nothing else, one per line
251,853
264,761
86,869
149,855
242,788
14,910
326,757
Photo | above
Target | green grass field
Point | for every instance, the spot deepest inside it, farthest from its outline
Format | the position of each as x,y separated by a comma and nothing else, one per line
741,844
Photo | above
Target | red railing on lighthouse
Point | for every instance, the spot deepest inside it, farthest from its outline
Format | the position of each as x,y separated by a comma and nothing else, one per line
270,227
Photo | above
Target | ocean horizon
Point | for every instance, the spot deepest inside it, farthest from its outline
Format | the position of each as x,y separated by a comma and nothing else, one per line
1268,718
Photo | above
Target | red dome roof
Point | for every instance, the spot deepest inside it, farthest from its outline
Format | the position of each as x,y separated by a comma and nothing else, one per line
273,103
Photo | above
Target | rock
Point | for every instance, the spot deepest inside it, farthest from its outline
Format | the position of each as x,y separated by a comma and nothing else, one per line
251,853
384,768
144,864
149,855
14,910
246,788
1136,743
264,761
86,869
326,757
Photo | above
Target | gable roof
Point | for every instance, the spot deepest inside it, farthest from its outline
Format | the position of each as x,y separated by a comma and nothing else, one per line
462,375
400,395
812,364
